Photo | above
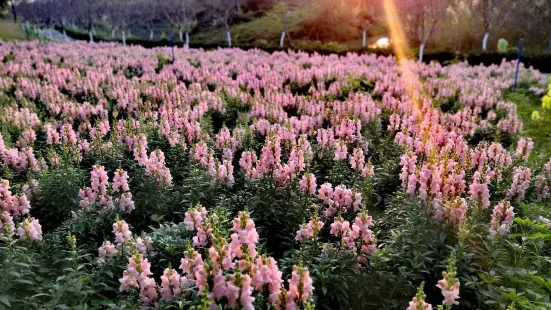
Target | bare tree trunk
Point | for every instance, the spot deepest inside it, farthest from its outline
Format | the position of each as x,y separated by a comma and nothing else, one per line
228,37
26,29
65,35
421,51
364,38
282,39
13,12
90,36
50,33
485,41
187,39
181,35
550,42
151,34
113,33
123,37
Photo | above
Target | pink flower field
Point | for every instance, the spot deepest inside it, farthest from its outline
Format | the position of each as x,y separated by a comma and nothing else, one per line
231,179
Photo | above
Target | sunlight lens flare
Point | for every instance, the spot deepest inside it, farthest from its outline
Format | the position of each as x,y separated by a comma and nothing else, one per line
400,46
382,43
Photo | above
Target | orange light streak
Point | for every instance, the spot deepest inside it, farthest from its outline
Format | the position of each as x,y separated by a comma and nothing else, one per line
400,46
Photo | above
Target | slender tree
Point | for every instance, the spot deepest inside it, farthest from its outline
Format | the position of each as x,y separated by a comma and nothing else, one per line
87,13
491,14
14,4
182,16
224,12
367,13
422,18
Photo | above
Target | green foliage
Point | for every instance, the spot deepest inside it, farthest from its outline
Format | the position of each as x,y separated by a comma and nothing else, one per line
58,195
516,269
540,130
502,46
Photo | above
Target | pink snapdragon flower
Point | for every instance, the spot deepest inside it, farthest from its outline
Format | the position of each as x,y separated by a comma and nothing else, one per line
300,284
450,284
30,229
308,184
479,191
245,237
502,219
524,148
418,302
170,284
121,231
106,251
120,181
309,230
7,226
521,182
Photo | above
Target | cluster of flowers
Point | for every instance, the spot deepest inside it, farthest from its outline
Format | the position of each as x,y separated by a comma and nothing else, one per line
175,109
543,181
95,109
99,191
124,243
19,160
222,273
13,208
439,173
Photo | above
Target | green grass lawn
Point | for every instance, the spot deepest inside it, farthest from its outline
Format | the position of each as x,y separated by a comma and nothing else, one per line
9,31
539,131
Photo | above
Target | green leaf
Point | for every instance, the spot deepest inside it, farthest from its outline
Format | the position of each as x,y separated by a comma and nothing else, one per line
5,299
78,286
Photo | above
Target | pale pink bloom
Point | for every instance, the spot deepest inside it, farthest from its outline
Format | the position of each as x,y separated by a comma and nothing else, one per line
191,263
121,231
99,180
450,291
325,193
120,181
220,287
170,284
300,284
308,184
194,217
244,234
502,219
29,229
341,229
309,230
524,148
450,212
478,190
357,159
126,204
368,171
7,226
144,245
340,150
247,162
521,183
106,251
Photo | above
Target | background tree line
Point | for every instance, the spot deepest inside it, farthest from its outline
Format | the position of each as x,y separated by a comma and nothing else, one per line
452,25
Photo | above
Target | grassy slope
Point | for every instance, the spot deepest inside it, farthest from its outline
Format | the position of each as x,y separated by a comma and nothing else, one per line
10,31
539,131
